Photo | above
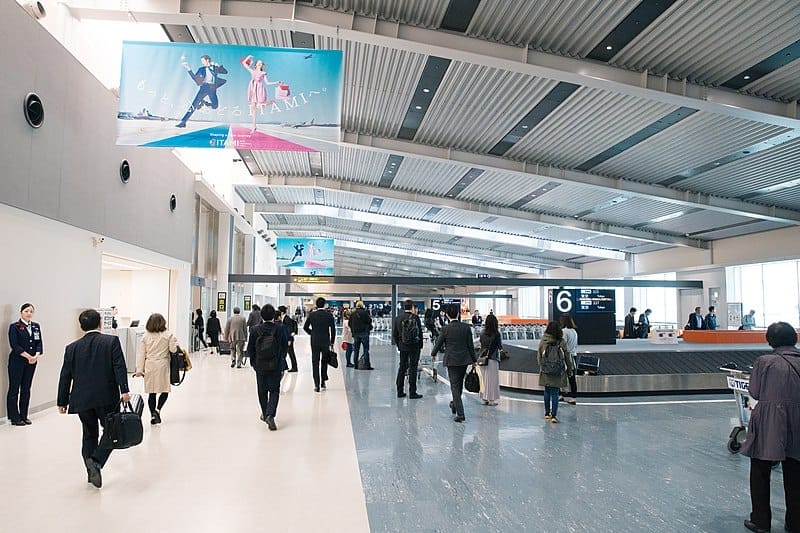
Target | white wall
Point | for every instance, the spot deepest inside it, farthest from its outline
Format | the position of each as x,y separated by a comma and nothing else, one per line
136,293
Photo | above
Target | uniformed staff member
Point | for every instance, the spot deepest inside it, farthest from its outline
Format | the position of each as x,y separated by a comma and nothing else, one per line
25,339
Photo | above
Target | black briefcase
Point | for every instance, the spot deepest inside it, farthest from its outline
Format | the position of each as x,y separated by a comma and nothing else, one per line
588,364
124,426
224,347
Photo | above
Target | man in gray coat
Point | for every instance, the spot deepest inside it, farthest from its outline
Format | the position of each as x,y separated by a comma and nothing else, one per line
236,334
459,353
774,430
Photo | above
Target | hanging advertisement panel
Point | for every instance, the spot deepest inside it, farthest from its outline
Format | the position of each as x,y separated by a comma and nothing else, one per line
312,257
221,96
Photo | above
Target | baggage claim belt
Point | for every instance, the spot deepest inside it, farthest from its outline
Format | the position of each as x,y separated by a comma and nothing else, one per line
742,385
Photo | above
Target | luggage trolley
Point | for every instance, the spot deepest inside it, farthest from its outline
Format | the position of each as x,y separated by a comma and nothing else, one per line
739,383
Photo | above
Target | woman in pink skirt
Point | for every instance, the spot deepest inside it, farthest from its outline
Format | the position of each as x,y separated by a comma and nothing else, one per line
490,341
256,90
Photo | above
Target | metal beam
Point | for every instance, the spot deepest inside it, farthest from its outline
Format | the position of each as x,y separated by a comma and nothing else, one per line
348,26
398,259
478,282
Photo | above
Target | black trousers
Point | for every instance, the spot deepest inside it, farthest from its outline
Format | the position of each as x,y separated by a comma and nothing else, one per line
91,432
151,401
292,356
456,375
20,378
319,364
269,391
408,363
760,471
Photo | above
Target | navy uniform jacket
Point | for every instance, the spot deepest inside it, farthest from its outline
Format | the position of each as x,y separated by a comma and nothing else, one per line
93,374
20,341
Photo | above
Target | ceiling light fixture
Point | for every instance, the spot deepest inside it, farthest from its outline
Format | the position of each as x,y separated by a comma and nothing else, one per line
418,107
426,90
747,76
609,47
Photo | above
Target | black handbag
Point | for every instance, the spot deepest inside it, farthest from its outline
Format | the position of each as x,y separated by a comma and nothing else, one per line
177,367
331,360
472,382
124,426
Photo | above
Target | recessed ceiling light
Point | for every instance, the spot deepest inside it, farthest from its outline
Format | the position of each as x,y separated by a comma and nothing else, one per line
417,107
426,90
524,127
609,47
747,77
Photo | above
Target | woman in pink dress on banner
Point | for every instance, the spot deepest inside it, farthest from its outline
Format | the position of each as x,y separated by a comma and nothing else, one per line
257,90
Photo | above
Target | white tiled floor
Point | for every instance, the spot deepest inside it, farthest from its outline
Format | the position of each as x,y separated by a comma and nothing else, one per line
211,466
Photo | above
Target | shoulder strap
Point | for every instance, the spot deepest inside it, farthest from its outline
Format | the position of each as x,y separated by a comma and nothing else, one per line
790,364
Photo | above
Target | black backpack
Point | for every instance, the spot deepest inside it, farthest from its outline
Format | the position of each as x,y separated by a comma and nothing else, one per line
266,352
409,331
553,360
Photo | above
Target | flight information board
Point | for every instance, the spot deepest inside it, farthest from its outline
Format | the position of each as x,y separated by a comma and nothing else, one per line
593,311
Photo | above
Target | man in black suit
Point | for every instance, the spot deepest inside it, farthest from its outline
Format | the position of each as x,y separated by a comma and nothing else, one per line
322,328
93,380
696,319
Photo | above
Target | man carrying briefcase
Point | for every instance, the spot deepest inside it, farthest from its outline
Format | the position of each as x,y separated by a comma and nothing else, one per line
93,381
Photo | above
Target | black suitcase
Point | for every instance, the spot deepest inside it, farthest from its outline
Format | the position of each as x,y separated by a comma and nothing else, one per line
588,364
224,348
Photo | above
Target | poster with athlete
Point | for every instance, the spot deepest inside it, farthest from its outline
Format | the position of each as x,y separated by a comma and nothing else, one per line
221,96
308,257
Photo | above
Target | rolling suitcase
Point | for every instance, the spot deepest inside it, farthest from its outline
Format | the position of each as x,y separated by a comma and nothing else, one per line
224,348
588,364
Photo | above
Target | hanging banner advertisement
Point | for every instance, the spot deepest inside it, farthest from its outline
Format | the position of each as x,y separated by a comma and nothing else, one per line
312,257
219,96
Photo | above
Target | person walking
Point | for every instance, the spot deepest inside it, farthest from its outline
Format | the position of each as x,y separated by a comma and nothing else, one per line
361,325
254,318
772,434
152,362
407,336
322,329
643,325
347,338
749,321
629,331
459,353
200,328
92,382
213,328
266,349
291,328
236,334
571,338
25,340
491,343
554,367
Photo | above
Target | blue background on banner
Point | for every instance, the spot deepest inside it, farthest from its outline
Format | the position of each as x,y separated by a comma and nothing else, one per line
285,253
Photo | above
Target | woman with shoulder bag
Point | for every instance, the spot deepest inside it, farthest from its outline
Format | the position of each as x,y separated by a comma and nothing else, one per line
152,362
571,338
490,348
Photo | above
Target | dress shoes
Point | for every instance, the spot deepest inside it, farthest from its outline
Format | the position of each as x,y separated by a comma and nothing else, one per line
753,527
263,418
459,418
93,469
292,370
415,396
452,407
401,394
18,423
271,423
350,365
369,368
233,364
180,125
316,389
27,421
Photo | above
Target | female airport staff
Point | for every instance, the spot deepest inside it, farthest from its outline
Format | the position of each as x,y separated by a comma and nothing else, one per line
25,339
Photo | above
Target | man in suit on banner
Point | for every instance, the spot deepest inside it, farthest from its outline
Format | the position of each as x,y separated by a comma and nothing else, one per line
208,80
93,380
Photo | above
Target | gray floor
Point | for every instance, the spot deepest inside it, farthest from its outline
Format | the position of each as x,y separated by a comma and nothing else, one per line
657,465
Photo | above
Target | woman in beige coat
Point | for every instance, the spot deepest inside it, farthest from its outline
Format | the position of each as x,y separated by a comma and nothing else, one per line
152,362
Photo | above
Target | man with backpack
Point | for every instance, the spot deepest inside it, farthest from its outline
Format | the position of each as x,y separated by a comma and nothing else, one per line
360,326
407,336
554,368
266,349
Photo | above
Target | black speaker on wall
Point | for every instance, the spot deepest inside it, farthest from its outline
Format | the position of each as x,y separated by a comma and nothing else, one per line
34,110
124,171
173,203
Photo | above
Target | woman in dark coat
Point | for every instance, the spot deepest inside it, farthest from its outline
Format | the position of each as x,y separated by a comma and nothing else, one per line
213,328
200,327
774,430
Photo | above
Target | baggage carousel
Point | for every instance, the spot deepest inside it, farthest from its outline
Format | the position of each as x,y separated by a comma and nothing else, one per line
634,366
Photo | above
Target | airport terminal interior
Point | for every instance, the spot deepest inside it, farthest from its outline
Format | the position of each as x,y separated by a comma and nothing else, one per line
630,163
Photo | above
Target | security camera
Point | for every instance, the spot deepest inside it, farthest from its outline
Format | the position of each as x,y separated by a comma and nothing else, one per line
35,9
98,240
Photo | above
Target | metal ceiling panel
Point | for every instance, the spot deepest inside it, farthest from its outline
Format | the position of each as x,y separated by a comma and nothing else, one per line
455,217
645,248
495,187
476,106
250,194
353,164
746,229
586,124
697,222
507,225
283,163
567,27
780,84
427,176
404,208
242,36
614,243
564,234
425,13
699,139
789,197
634,211
695,39
378,85
293,195
759,171
349,200
569,200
